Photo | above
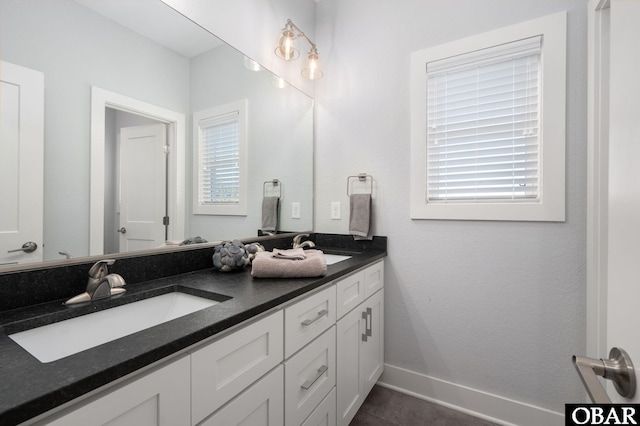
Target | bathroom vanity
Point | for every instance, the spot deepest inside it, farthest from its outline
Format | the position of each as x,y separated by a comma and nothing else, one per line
288,351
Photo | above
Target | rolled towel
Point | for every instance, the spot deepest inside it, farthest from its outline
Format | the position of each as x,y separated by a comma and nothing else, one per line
360,215
265,265
293,254
270,213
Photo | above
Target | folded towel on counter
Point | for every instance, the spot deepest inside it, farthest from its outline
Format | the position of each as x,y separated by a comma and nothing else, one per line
267,265
360,216
270,213
293,254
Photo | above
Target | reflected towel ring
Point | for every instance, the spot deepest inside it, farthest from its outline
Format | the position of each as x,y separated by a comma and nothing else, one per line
274,183
362,177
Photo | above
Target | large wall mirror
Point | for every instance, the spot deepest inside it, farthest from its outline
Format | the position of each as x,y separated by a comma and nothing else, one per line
122,78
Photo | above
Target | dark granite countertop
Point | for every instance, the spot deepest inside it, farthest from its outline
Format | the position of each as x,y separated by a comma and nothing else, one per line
29,388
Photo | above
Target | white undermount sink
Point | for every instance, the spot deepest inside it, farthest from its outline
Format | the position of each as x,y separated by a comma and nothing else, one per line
335,258
58,340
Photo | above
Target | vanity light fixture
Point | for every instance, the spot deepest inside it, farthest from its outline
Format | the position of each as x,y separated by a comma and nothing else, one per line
287,49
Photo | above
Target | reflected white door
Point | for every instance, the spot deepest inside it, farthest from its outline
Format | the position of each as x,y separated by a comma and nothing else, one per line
21,162
143,168
623,293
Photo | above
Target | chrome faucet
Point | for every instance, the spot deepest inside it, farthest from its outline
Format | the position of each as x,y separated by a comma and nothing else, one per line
101,283
298,244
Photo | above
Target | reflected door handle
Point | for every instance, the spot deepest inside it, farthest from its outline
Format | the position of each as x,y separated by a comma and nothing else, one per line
618,368
28,247
122,230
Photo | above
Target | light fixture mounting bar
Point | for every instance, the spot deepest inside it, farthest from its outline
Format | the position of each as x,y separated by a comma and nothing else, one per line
300,33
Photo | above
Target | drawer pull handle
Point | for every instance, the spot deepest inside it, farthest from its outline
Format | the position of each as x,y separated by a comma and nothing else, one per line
317,317
306,385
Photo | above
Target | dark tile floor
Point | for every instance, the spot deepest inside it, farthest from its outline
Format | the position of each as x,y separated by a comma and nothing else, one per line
386,407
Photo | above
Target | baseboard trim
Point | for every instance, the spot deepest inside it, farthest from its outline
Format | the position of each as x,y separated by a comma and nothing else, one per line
471,401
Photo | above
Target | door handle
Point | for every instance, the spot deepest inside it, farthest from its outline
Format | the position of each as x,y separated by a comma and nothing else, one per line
122,230
28,247
368,324
618,368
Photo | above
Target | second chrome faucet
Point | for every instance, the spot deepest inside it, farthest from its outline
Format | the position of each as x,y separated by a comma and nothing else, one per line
298,244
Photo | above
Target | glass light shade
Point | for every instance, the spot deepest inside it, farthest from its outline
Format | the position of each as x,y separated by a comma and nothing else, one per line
287,45
312,66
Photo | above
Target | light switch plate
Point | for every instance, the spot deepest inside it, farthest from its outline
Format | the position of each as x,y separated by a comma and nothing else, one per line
295,210
335,210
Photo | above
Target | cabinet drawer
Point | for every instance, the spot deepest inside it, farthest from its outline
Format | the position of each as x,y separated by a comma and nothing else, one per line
261,404
373,278
227,366
308,377
160,397
350,292
325,413
307,319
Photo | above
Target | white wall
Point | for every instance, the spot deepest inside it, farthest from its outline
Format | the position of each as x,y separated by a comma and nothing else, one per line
493,306
482,315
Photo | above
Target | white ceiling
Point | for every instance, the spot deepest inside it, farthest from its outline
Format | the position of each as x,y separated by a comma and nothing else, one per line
158,22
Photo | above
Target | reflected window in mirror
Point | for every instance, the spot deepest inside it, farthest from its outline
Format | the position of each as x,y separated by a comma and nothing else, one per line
220,156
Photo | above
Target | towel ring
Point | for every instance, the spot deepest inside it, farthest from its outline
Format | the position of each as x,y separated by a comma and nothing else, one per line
273,183
362,177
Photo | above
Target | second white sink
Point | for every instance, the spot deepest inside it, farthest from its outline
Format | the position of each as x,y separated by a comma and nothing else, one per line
335,258
58,340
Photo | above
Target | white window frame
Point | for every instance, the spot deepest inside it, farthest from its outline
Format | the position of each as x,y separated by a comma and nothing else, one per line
550,205
231,209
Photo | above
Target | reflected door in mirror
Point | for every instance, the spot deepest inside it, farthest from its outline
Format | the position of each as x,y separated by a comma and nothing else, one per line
143,170
21,163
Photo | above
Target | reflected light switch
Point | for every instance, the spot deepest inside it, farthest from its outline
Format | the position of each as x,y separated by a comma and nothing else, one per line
295,210
335,210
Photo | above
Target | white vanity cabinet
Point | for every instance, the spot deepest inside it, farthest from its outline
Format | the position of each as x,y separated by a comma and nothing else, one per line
222,369
260,405
325,412
309,362
156,398
360,345
310,352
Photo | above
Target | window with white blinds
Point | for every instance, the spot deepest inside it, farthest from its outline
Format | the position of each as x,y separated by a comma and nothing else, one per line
482,124
488,125
220,160
219,166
